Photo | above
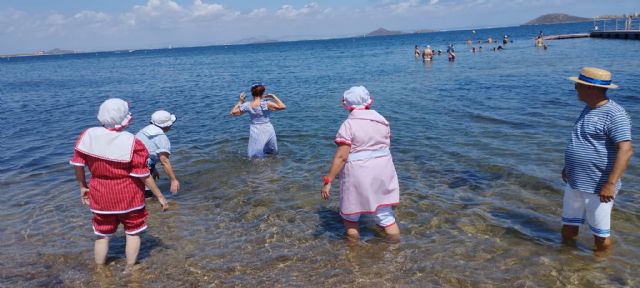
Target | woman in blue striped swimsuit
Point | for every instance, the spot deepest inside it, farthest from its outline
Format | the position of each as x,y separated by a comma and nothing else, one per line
262,136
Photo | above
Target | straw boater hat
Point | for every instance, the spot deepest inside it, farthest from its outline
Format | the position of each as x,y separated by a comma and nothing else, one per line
357,98
594,77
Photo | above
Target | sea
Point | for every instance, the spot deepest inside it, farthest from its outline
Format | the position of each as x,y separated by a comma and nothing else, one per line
478,145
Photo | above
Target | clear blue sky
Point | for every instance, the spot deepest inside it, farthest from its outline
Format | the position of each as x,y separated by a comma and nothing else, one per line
90,25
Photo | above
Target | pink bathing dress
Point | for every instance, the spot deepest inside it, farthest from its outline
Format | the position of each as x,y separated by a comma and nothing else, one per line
370,183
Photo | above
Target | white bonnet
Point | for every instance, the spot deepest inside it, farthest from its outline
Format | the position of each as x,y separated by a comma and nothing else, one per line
356,98
114,114
162,118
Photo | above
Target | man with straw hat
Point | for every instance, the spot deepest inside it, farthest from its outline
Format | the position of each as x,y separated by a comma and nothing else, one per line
595,158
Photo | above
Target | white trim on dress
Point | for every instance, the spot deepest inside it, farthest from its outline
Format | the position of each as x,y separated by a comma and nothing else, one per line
139,175
76,163
116,212
136,231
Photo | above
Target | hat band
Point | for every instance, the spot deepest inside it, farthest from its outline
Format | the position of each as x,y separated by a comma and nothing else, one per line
594,81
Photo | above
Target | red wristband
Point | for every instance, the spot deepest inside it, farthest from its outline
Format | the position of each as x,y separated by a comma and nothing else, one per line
326,180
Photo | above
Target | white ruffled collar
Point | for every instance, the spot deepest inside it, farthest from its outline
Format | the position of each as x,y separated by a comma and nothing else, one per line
107,144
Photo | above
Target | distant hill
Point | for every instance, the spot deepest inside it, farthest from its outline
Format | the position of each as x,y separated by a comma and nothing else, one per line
383,32
556,18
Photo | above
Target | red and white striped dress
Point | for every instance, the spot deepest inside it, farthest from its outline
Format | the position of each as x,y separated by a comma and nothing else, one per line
115,187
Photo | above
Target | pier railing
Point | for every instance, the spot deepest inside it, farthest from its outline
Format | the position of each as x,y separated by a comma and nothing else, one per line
616,24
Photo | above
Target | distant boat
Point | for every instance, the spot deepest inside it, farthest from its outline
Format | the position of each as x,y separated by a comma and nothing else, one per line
132,50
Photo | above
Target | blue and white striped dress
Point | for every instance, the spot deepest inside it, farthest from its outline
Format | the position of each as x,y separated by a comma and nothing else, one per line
591,153
262,136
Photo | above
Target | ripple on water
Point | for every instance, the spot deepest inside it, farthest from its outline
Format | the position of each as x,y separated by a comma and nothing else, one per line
477,144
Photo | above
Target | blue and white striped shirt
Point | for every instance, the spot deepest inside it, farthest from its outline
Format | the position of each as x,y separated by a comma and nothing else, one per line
591,153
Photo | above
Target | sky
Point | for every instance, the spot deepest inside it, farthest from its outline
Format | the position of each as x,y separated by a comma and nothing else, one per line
99,25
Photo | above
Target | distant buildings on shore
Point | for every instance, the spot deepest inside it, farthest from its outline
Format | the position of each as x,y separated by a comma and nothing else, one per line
55,51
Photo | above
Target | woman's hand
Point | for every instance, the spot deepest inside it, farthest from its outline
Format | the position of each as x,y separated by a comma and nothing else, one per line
326,191
84,195
163,203
242,97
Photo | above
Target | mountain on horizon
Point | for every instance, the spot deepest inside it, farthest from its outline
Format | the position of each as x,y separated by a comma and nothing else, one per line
382,32
555,18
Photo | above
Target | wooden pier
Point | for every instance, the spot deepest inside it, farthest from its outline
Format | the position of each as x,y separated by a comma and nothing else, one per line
566,36
619,34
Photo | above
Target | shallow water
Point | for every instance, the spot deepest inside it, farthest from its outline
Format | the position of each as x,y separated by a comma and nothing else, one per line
478,145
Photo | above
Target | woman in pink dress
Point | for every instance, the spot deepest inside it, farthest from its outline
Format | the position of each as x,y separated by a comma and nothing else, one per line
117,162
368,179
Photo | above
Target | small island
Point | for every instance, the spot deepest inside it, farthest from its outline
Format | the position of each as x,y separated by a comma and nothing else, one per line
556,18
383,32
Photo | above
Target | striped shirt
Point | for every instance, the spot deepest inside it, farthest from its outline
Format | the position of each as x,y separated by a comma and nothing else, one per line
591,152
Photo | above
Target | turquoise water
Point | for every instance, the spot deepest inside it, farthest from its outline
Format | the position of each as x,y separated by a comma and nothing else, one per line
478,145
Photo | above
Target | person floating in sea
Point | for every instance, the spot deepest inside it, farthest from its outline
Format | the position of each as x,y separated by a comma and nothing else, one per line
505,40
490,40
417,51
368,179
594,160
499,48
262,136
428,54
154,138
545,47
117,162
473,49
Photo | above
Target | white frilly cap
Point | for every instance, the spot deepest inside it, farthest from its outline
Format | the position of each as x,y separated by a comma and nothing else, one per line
356,98
162,118
114,114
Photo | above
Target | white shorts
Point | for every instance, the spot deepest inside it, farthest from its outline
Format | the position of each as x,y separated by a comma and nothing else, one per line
383,217
579,206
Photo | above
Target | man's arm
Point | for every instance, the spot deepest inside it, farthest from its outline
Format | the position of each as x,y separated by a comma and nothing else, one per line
625,150
166,165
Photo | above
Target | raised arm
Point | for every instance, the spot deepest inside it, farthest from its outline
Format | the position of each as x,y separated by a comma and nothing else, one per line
277,104
235,111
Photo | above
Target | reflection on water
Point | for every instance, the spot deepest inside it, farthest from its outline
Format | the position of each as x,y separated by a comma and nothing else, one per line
477,145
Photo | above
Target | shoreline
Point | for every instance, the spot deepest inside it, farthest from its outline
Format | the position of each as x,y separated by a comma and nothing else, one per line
23,55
